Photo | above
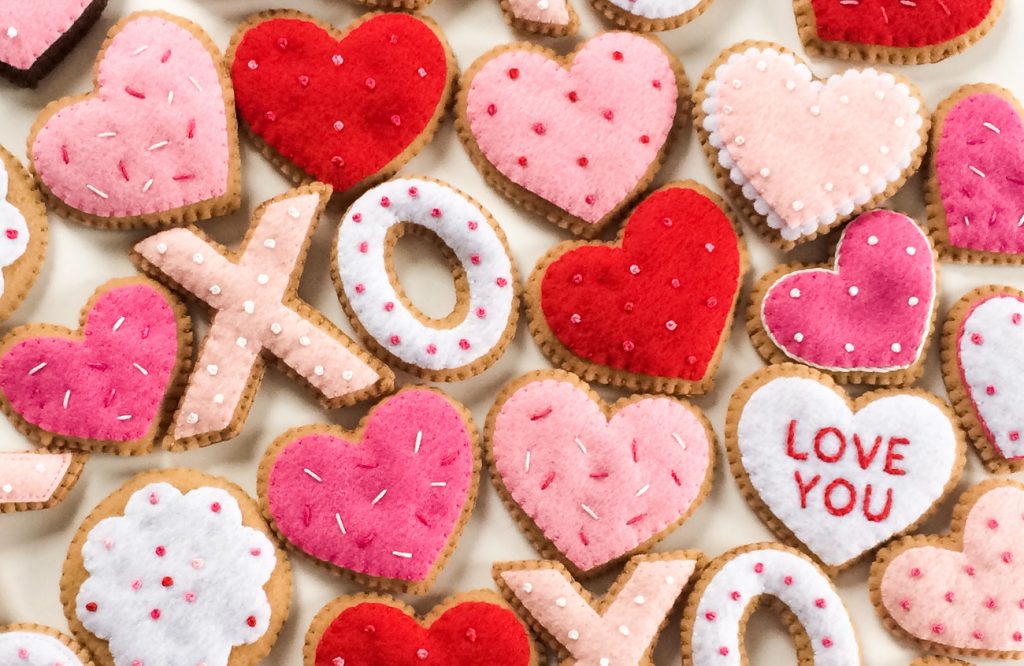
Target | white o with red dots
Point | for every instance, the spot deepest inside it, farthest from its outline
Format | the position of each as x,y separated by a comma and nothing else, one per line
178,579
792,579
13,228
30,648
467,230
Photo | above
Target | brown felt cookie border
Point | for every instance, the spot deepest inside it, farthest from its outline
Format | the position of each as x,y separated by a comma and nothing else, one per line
278,588
23,194
523,197
70,643
564,358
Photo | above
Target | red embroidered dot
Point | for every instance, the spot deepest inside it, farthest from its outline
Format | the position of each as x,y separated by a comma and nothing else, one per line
991,390
590,199
915,573
358,217
160,551
413,192
820,603
360,288
385,202
154,498
1017,636
990,603
12,233
435,212
645,139
491,109
251,621
788,580
827,642
710,616
522,161
475,259
656,83
539,128
627,345
155,613
364,247
573,97
977,339
481,313
395,340
167,581
583,161
472,225
759,568
1007,557
969,570
993,523
431,349
608,114
617,55
215,507
464,343
501,282
938,628
724,651
949,596
1014,436
513,73
91,607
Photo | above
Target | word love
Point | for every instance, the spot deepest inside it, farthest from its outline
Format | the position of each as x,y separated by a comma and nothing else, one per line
840,495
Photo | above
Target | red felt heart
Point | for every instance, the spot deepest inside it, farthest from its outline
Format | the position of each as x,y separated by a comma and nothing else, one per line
471,633
659,302
343,107
897,23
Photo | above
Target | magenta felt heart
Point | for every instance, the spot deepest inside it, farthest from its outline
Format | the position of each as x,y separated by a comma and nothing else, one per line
871,313
598,488
979,169
109,383
386,505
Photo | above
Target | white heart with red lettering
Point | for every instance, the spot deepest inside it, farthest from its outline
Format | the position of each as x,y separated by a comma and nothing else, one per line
843,482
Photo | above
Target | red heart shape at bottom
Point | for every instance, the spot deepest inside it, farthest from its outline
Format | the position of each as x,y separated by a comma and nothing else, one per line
372,631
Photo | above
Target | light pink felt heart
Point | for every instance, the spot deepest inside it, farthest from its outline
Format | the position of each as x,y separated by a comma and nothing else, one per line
29,27
153,138
598,488
583,138
385,506
808,153
970,599
871,313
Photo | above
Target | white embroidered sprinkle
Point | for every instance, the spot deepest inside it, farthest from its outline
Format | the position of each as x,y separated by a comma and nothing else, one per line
815,110
67,397
526,462
579,443
149,184
977,171
380,496
992,127
589,511
879,95
192,418
419,441
170,97
766,172
139,50
140,369
884,150
398,553
37,368
337,518
159,145
669,580
106,135
643,490
117,324
829,187
438,484
604,661
791,85
762,66
679,441
125,417
98,192
1021,222
900,122
195,83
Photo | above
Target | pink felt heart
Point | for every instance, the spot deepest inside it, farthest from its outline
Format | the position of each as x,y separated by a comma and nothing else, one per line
110,383
969,599
583,138
979,169
153,138
871,313
804,152
29,28
386,505
598,488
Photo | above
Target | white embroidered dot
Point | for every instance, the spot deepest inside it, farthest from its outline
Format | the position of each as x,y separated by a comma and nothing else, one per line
293,213
913,300
879,95
848,346
791,85
896,347
337,60
624,630
872,240
241,342
422,72
161,248
270,243
815,110
639,600
215,289
218,399
854,290
347,375
8,488
573,635
911,250
543,4
727,110
560,602
192,418
40,468
798,206
527,587
197,258
634,269
12,32
884,150
766,172
829,187
799,337
794,293
253,64
762,66
275,328
740,140
212,369
737,84
670,580
318,371
845,99
249,307
901,121
262,278
604,661
864,169
304,341
338,125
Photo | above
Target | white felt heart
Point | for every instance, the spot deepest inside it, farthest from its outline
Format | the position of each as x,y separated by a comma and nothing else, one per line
842,482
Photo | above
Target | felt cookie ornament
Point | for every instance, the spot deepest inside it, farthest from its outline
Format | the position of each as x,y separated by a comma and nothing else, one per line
813,463
770,129
477,332
257,312
176,567
37,480
385,503
468,629
729,589
981,356
897,32
24,233
621,628
155,143
573,138
960,593
975,176
111,385
591,483
652,310
865,319
345,107
35,37
558,18
36,645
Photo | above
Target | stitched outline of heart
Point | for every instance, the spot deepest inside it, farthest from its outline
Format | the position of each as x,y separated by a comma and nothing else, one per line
763,377
772,352
291,170
737,193
354,439
532,202
952,375
176,381
953,542
807,26
938,222
66,39
332,611
536,535
568,360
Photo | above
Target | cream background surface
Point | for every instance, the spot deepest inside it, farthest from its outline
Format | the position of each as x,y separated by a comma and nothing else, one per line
33,545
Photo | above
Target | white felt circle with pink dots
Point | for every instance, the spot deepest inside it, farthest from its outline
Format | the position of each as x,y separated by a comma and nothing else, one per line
30,648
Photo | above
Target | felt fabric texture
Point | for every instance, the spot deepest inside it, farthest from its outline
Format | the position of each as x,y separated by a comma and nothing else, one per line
551,12
14,234
624,631
580,138
29,28
384,506
177,579
970,599
340,111
461,225
979,165
806,152
30,648
872,312
247,294
107,385
990,355
471,633
154,136
823,470
792,579
656,9
893,23
31,477
658,304
598,488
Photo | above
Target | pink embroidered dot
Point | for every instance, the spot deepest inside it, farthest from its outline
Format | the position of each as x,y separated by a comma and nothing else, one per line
501,282
969,570
364,247
539,129
915,573
360,288
675,283
393,39
1007,557
389,306
160,551
691,360
422,654
215,507
608,114
949,596
91,607
472,225
667,221
491,109
656,83
978,634
905,604
137,584
338,161
481,313
990,603
724,651
513,73
198,563
12,234
396,120
23,653
155,613
471,635
990,390
993,523
303,80
1017,636
1014,436
358,217
634,269
1020,604
431,349
575,318
189,597
154,498
137,662
735,595
977,339
827,642
577,279
671,325
253,64
255,552
627,345
251,621
413,192
371,83
270,115
282,43
385,202
464,344
710,616
590,199
820,603
938,628
629,306
759,568
788,580
1016,318
395,340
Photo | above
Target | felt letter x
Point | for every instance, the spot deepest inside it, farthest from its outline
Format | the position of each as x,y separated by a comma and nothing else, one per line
253,294
621,629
